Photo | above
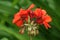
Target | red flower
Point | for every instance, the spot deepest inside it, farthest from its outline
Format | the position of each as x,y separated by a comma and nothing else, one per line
20,17
46,19
42,17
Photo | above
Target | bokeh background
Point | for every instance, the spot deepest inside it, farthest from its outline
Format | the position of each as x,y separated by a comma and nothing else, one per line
9,31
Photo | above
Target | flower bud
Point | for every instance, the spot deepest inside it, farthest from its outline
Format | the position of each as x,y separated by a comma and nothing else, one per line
29,28
37,32
21,31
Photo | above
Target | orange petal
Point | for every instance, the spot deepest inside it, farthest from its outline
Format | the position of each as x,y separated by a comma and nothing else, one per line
31,6
37,12
45,25
48,25
16,17
44,12
19,23
47,18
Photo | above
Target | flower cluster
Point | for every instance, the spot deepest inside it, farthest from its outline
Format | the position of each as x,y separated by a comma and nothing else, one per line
31,18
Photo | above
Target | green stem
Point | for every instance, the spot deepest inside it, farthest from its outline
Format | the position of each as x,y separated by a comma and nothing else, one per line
30,37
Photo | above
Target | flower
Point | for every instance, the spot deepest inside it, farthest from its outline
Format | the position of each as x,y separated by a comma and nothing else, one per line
42,17
20,17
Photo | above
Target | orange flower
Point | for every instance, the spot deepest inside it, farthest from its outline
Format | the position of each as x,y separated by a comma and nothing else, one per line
20,17
42,17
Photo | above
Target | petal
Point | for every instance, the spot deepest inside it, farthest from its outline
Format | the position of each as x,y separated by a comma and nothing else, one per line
23,12
32,15
47,18
38,12
16,17
39,21
44,12
31,6
46,25
19,23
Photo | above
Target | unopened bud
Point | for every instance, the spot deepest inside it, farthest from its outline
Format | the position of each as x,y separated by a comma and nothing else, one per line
32,32
21,31
37,32
29,28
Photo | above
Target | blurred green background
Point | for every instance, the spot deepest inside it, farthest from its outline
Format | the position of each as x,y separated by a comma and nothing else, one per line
9,31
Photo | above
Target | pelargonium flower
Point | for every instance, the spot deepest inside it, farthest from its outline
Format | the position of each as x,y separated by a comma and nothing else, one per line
20,17
42,17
